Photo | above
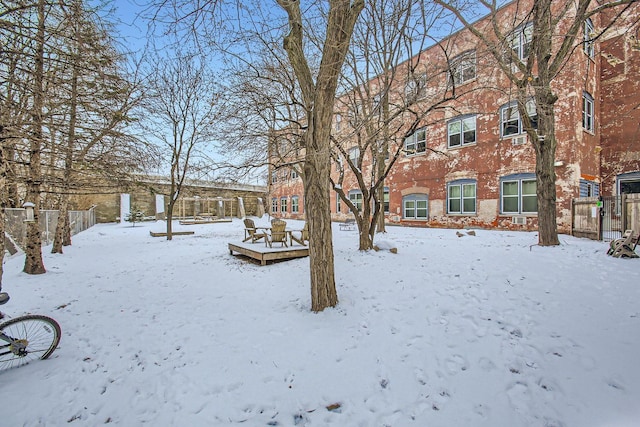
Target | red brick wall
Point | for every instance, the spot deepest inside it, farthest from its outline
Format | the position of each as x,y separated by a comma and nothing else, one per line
579,152
620,101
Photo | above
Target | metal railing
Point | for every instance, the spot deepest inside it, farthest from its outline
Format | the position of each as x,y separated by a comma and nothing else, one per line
48,220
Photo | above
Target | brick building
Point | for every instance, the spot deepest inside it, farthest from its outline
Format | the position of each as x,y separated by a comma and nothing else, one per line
470,164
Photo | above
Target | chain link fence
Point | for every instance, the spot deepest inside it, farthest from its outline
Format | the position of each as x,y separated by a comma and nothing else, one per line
17,228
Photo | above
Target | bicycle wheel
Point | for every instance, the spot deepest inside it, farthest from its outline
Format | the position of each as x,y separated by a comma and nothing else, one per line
36,335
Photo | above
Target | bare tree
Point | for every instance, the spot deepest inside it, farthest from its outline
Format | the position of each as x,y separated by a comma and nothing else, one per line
390,91
182,102
98,99
318,95
262,104
556,32
33,250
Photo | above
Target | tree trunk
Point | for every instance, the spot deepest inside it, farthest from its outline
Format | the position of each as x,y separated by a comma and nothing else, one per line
544,140
319,99
63,230
366,225
317,206
3,200
63,211
170,206
33,252
545,149
66,231
366,231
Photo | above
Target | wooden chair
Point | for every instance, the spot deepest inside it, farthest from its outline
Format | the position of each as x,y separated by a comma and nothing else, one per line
301,236
278,233
250,232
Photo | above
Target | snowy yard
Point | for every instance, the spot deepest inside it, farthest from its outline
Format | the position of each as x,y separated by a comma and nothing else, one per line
486,330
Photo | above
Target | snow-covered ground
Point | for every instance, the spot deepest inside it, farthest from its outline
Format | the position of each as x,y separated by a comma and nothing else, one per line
487,330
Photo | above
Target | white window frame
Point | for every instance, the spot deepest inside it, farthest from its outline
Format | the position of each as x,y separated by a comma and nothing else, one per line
295,204
415,86
413,204
461,185
510,113
588,32
588,105
274,205
338,206
520,40
520,182
355,197
461,132
354,154
463,68
416,143
385,200
283,205
338,122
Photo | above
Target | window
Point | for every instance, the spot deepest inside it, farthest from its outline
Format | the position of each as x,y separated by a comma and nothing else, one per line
283,205
355,114
518,194
415,206
338,122
463,68
274,205
461,131
355,197
587,112
416,143
589,188
415,86
589,32
385,200
510,121
520,41
338,207
274,177
628,183
294,173
354,154
295,204
461,197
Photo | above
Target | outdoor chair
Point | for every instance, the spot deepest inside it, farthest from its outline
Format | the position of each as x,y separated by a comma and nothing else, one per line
625,246
278,233
348,224
251,233
301,236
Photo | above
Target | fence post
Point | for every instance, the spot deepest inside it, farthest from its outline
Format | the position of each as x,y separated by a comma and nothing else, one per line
623,212
600,217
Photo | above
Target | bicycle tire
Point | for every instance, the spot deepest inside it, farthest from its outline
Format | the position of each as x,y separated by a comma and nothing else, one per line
41,333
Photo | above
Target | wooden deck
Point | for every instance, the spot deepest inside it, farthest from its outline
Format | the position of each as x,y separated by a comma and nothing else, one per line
173,233
262,253
204,221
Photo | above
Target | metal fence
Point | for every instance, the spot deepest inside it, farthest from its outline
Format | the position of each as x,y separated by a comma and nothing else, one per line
605,218
48,220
